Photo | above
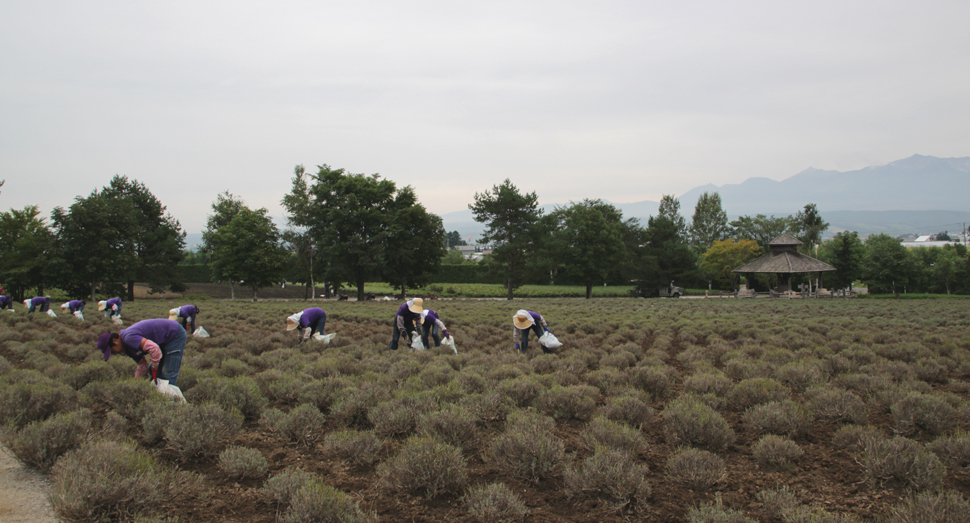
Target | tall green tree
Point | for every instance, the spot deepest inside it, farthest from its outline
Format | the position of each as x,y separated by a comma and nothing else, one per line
887,266
93,247
670,209
307,261
589,240
248,249
710,222
224,209
415,245
810,227
454,240
846,253
354,218
761,228
946,267
25,244
155,238
661,255
510,218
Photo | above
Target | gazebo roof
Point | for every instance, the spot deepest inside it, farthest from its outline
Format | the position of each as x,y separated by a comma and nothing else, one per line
787,262
785,239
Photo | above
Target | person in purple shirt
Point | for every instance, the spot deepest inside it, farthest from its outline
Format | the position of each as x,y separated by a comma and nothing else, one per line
110,307
185,314
156,344
307,322
76,306
406,321
6,302
522,322
43,302
431,323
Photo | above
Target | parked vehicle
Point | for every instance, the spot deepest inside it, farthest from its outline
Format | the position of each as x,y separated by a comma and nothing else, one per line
670,291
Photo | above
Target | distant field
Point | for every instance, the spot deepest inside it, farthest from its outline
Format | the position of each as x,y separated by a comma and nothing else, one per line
488,290
780,410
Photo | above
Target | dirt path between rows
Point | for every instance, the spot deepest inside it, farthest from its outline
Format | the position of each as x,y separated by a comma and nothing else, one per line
22,493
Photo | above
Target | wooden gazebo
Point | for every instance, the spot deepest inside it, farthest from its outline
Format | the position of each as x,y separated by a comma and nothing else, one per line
784,260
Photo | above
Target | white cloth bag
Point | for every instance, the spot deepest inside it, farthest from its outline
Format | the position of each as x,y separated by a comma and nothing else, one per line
51,313
450,342
416,342
549,341
324,337
79,315
201,333
164,387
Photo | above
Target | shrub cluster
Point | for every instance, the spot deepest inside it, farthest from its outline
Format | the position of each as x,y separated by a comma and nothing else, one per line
361,447
495,503
425,465
105,481
528,448
301,425
243,463
611,474
41,443
688,421
776,451
903,461
697,469
318,502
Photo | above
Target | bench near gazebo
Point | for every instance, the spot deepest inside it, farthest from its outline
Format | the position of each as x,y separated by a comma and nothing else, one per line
784,260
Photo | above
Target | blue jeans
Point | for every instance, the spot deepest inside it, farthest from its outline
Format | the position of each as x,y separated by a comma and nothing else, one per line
44,307
317,326
525,338
171,364
433,329
396,337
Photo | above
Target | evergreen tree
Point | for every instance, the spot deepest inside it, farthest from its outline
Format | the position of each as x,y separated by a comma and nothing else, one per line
510,218
710,222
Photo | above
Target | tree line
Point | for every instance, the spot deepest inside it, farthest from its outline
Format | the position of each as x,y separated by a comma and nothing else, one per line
356,228
590,243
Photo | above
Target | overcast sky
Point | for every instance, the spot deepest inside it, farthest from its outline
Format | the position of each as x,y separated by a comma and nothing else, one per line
622,100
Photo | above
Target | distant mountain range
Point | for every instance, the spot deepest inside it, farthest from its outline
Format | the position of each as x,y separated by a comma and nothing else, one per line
916,195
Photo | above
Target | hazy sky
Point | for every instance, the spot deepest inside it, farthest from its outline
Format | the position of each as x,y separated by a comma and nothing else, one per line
622,100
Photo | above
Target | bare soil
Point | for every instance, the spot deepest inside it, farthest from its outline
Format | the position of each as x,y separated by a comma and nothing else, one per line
22,493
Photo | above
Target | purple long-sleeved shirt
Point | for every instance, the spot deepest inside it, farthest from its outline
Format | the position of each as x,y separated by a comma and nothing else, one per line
311,316
186,311
432,316
536,318
160,331
6,301
38,300
112,302
74,305
405,315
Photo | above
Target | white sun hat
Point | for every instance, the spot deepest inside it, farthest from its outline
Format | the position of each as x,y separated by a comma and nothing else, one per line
293,321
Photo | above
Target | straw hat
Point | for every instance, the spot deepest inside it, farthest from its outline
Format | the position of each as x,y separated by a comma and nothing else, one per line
173,314
522,319
416,305
102,304
293,321
65,306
